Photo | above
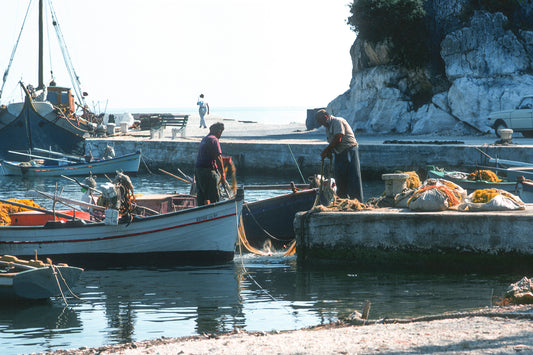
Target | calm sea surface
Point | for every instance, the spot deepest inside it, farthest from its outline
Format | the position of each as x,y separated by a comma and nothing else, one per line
252,293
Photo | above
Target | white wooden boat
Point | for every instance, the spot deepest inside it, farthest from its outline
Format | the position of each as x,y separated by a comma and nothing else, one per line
199,235
513,169
34,280
128,163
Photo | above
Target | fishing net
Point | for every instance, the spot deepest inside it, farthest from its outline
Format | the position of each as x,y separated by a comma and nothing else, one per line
485,175
6,209
231,174
342,205
436,195
492,200
413,181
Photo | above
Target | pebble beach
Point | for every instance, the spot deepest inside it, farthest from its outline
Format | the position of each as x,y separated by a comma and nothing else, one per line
496,330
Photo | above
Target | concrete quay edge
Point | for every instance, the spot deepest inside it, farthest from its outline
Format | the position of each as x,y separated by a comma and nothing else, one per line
400,238
277,154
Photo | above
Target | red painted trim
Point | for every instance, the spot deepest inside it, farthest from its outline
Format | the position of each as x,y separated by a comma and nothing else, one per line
112,237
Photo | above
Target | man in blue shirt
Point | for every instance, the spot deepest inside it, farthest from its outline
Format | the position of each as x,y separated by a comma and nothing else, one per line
208,162
343,144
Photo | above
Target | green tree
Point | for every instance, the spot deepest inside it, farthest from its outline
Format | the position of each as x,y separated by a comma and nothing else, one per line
400,21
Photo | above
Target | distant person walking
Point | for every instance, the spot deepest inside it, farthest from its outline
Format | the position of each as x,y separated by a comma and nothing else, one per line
203,109
208,162
343,144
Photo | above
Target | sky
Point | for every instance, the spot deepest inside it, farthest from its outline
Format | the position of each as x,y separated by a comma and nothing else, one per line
164,53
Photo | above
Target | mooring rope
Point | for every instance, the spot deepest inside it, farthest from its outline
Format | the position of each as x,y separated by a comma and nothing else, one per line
247,273
54,272
244,240
66,284
261,227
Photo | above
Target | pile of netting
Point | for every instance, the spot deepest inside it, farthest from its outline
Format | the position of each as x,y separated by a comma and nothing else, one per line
6,209
436,195
485,175
492,200
342,205
231,174
413,181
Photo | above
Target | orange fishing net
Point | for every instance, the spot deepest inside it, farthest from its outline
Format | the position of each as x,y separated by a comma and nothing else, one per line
413,181
451,194
485,175
6,209
485,195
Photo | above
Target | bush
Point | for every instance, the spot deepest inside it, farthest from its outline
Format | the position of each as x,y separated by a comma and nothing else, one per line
507,7
401,21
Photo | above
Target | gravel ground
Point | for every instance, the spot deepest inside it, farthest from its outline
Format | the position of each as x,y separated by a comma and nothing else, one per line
498,330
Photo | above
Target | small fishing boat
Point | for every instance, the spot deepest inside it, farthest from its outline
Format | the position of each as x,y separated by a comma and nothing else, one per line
184,235
33,279
46,166
267,222
460,178
513,169
271,220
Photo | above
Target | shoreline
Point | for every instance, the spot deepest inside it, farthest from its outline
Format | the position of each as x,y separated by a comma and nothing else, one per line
506,329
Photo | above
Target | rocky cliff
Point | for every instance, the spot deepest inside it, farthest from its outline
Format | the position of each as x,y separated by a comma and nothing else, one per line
482,62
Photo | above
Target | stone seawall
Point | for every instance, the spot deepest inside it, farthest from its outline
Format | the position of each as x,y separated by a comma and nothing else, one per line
447,240
278,157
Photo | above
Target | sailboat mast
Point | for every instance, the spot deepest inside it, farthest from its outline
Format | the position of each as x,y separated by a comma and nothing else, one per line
41,66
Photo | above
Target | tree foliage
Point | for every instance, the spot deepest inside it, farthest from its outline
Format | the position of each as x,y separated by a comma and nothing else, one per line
400,21
507,7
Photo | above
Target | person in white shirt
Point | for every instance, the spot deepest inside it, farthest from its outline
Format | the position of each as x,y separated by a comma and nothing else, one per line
203,109
343,144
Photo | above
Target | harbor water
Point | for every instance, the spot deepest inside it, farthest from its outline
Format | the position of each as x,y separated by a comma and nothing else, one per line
252,293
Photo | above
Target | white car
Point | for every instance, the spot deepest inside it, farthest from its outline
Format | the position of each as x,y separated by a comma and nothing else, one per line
519,119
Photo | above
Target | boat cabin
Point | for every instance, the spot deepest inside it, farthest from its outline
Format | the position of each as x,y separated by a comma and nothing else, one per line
62,97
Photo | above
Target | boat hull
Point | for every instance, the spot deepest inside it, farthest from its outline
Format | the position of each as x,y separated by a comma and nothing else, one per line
471,185
201,235
38,283
127,163
272,219
31,129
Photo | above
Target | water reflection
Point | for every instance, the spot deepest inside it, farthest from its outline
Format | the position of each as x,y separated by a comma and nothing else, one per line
35,325
205,298
252,294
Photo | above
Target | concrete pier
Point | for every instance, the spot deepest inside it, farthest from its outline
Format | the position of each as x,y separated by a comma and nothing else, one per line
274,150
448,240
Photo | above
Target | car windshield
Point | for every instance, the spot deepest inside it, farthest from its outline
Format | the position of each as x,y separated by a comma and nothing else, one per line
527,103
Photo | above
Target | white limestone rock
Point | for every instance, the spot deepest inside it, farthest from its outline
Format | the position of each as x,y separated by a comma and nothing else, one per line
473,99
487,66
483,49
429,116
